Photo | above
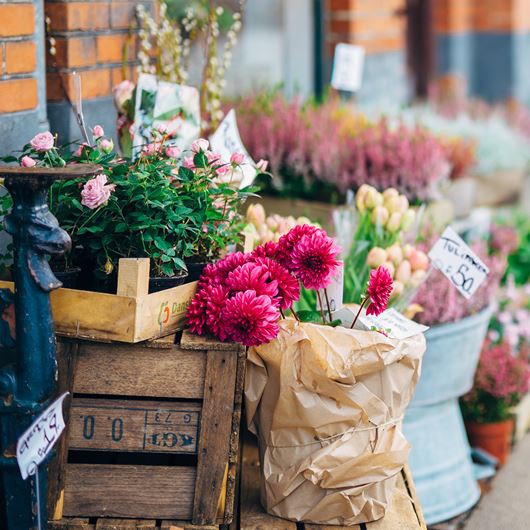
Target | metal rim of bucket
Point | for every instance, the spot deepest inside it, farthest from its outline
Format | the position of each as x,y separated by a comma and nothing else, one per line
459,325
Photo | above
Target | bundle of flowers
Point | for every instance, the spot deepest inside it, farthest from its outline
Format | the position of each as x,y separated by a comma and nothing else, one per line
264,228
379,240
242,297
501,381
167,205
461,154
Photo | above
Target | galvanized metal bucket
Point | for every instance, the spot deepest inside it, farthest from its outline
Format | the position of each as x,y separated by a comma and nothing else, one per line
440,457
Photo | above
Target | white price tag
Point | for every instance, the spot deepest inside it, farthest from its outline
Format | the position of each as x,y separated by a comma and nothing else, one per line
39,439
393,323
462,267
348,67
226,141
334,292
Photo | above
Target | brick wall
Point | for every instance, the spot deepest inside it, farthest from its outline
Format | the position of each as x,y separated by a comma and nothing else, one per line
483,47
22,89
89,39
380,29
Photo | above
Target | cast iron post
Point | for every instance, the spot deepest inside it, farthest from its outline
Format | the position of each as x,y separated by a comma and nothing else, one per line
28,368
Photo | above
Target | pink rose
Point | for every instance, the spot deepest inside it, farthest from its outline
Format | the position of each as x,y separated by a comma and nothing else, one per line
79,150
200,145
212,157
222,170
122,93
98,131
188,162
150,149
237,158
262,165
173,152
106,146
27,161
43,141
96,192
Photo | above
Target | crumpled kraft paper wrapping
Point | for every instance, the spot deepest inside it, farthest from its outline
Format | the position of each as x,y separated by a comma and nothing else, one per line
326,404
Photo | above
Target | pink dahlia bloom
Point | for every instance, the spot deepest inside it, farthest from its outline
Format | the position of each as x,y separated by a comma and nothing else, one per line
196,313
288,241
216,298
43,141
379,289
288,285
252,276
314,260
224,267
96,192
267,250
251,319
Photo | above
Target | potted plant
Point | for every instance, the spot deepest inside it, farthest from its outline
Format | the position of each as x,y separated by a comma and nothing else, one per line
440,459
324,397
500,382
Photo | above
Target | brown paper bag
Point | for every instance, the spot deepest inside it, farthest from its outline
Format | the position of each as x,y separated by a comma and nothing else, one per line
326,404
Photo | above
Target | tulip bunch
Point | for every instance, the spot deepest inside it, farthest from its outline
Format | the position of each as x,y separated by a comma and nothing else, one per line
265,228
383,219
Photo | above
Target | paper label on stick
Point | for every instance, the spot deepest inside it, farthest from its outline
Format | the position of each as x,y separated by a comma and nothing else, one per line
394,324
226,141
334,292
37,441
461,266
348,67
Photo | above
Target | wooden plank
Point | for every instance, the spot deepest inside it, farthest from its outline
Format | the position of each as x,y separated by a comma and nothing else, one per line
132,370
125,524
158,492
133,277
134,426
216,425
185,525
167,342
163,313
253,516
70,524
411,489
66,359
189,341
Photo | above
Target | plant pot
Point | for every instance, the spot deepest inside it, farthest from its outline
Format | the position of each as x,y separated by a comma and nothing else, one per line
157,284
69,278
495,438
440,457
194,270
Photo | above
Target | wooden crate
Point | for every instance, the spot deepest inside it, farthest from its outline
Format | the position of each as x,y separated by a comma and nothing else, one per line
153,431
404,513
131,315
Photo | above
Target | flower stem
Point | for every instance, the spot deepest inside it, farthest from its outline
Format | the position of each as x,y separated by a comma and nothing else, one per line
327,303
294,313
359,312
321,307
282,313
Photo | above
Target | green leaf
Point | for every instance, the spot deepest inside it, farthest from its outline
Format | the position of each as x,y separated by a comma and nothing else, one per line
310,316
200,160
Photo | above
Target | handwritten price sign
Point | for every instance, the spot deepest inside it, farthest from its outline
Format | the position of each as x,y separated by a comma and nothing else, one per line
463,268
35,444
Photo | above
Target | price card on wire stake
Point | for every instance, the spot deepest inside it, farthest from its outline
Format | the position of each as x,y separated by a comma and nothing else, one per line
333,293
37,441
461,266
393,323
348,67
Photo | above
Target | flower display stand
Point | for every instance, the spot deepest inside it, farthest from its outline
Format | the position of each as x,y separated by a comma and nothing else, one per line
130,315
152,434
404,512
440,457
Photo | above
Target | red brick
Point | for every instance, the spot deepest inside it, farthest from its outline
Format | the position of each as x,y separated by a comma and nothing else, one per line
20,57
94,83
73,16
17,20
74,52
18,94
110,48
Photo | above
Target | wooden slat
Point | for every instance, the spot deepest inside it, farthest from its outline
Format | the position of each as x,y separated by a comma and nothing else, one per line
253,516
132,370
216,425
125,524
161,492
185,525
66,360
411,489
189,341
71,524
134,426
133,277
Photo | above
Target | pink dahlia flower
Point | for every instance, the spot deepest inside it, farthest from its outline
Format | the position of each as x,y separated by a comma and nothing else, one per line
196,313
288,285
224,267
379,289
216,298
252,276
96,192
288,241
267,250
314,260
251,319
